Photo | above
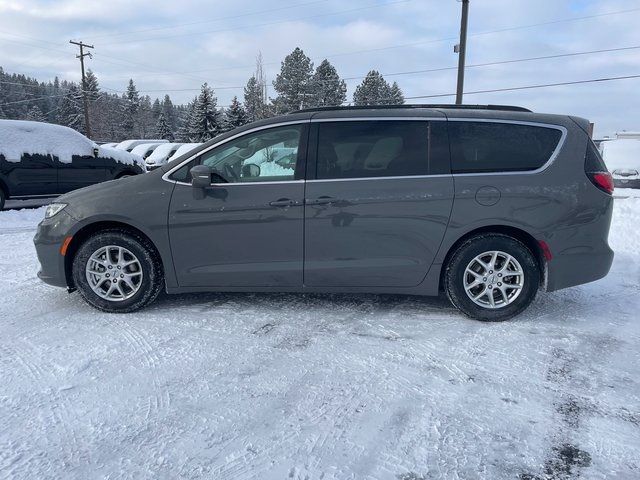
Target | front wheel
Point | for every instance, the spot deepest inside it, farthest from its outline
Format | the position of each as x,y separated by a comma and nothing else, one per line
117,271
492,277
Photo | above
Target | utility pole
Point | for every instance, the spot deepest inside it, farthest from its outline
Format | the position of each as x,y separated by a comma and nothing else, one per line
461,50
84,83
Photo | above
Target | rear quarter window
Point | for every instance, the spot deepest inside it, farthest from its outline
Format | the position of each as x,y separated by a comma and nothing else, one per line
480,147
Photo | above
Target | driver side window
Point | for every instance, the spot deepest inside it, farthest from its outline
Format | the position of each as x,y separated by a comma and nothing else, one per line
266,155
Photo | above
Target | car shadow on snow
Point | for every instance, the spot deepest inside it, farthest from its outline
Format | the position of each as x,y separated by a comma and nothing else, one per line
355,302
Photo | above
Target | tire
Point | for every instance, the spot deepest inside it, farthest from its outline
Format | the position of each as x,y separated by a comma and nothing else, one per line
144,279
509,292
3,197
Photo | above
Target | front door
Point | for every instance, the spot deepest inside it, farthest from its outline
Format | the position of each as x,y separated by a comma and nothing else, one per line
378,204
246,230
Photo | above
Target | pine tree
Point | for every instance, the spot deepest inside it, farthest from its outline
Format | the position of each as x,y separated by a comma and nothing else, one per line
374,90
397,97
186,120
156,109
35,115
144,119
169,112
328,89
253,100
293,83
163,130
235,116
91,86
206,119
70,112
130,107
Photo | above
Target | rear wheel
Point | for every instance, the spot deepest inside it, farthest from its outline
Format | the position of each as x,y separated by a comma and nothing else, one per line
492,277
117,271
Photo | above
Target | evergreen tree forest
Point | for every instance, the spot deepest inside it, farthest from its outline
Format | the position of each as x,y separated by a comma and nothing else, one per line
116,116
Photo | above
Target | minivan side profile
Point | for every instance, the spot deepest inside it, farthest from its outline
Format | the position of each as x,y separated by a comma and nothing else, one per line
43,160
486,204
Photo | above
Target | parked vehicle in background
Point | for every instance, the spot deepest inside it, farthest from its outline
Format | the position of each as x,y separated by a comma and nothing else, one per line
43,160
109,144
185,148
129,145
486,203
622,157
161,154
145,149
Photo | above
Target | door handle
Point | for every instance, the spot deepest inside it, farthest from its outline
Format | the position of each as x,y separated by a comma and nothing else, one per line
324,200
283,202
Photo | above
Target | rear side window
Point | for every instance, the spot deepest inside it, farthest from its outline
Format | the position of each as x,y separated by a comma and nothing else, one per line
478,147
353,149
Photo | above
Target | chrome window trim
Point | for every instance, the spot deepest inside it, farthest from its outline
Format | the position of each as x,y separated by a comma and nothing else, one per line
540,169
546,165
391,177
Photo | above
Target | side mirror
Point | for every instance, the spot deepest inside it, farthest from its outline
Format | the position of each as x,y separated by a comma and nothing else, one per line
203,176
96,152
251,170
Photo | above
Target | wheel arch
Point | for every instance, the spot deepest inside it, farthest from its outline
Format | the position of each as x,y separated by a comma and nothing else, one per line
90,229
523,236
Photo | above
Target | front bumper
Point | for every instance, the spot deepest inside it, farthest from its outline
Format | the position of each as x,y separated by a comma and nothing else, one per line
48,240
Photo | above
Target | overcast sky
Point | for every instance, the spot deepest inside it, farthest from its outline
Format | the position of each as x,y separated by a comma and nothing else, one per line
175,46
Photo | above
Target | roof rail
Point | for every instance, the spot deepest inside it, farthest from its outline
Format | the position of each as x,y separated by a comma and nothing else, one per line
509,108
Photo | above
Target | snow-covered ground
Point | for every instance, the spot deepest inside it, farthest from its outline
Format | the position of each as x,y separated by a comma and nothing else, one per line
239,386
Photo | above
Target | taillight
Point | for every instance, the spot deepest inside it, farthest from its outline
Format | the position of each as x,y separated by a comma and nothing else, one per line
596,170
602,180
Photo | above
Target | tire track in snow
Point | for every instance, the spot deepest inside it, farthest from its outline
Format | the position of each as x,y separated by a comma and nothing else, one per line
59,417
134,337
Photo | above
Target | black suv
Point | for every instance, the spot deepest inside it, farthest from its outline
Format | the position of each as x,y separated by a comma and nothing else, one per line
44,160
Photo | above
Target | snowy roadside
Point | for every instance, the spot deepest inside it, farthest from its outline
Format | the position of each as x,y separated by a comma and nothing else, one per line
318,386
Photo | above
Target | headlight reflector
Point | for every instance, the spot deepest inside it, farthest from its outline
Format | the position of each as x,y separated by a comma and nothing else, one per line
54,209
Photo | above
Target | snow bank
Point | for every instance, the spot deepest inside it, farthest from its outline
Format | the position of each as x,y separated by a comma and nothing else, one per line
18,137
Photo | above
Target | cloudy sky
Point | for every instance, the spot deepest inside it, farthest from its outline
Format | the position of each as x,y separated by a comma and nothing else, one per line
174,46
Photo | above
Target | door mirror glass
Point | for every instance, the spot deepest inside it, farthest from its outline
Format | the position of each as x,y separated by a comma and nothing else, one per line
250,170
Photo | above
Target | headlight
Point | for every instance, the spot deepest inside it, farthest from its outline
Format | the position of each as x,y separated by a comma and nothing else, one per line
54,209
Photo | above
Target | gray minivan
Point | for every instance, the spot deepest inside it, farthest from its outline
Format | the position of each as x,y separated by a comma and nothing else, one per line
485,203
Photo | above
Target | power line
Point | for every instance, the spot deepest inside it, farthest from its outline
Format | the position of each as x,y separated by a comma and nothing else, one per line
377,5
528,87
200,22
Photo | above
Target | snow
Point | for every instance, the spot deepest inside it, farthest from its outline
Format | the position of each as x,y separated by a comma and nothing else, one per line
19,136
143,148
272,169
122,156
621,154
161,153
273,386
127,144
187,147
